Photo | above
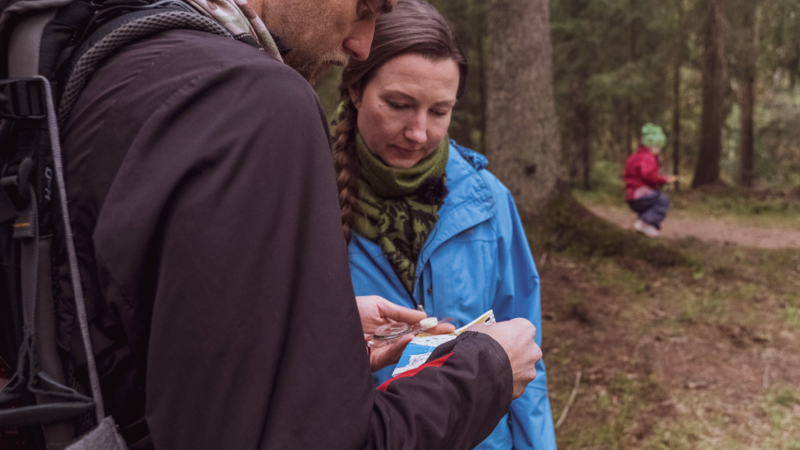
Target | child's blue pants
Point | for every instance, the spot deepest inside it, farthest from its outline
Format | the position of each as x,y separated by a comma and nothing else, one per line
652,208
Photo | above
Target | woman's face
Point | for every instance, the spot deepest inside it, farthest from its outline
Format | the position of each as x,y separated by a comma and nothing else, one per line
404,112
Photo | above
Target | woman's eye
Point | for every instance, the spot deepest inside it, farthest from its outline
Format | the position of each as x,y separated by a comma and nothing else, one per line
439,112
397,106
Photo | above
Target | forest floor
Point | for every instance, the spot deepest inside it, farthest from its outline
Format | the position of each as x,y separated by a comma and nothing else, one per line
701,354
707,229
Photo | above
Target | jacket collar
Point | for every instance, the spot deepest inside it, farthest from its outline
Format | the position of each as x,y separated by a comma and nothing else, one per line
468,203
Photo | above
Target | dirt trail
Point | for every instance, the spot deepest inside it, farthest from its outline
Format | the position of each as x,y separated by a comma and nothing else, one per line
708,229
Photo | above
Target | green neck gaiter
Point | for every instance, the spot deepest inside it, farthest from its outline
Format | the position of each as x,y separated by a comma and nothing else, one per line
400,207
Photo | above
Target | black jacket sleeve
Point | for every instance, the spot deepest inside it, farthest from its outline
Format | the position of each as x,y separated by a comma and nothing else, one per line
216,257
454,405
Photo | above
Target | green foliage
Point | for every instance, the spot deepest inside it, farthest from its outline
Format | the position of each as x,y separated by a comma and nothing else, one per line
608,273
614,64
778,400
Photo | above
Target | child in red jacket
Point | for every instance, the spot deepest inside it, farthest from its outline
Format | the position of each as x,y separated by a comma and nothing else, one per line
643,182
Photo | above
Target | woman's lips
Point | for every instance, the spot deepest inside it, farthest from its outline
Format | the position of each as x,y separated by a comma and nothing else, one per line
403,149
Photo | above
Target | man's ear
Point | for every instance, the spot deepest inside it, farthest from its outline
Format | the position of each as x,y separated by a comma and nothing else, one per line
355,97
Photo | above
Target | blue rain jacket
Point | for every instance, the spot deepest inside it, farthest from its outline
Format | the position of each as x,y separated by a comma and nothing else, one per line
476,258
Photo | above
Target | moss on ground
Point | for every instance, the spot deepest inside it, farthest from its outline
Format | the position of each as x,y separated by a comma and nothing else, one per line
568,227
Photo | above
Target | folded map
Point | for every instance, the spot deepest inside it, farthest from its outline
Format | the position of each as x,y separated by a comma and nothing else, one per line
420,348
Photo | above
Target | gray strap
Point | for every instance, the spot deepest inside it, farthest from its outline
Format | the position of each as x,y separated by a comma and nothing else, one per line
56,435
26,229
23,6
104,437
75,276
25,43
38,311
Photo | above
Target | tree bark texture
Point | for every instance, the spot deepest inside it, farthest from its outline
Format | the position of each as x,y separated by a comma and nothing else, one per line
676,120
579,136
747,94
582,136
707,170
580,146
522,138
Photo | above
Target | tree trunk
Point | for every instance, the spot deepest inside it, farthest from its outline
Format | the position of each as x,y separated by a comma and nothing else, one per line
630,130
676,120
707,170
522,139
482,74
580,136
676,96
584,139
747,94
746,153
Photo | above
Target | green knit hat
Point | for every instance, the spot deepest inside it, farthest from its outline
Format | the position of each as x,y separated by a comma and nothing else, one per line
653,136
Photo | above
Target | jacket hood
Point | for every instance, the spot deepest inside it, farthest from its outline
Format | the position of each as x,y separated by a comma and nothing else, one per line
477,160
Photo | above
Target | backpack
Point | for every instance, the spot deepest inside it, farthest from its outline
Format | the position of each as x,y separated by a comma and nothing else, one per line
49,50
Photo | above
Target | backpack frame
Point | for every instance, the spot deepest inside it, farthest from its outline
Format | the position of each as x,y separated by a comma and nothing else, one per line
53,47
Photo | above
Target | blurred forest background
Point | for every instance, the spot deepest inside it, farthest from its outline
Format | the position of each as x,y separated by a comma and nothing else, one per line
685,342
618,64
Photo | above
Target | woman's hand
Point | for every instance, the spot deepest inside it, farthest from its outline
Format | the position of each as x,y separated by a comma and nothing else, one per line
376,311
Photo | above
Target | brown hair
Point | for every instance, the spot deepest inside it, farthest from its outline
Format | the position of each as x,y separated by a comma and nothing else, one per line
411,28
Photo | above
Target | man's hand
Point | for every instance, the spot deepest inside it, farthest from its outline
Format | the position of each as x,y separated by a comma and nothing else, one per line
516,336
671,179
376,311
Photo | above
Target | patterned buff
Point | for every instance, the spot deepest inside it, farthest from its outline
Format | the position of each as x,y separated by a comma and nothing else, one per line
239,18
400,207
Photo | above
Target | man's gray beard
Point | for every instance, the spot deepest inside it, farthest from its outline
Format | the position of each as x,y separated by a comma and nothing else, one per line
315,69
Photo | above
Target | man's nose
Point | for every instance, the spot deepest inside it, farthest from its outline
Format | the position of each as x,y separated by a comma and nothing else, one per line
417,131
360,40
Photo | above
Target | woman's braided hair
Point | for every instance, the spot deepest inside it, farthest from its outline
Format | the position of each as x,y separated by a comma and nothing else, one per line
411,28
346,164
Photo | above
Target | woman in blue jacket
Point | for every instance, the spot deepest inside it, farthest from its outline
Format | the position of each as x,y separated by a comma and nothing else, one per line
428,226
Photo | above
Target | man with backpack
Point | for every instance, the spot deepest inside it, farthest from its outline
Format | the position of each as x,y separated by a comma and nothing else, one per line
206,230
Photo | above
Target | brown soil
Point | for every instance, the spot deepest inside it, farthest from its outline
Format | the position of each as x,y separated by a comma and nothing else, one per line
708,229
679,357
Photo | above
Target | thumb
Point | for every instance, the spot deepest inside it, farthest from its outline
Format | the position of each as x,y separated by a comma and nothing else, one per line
398,313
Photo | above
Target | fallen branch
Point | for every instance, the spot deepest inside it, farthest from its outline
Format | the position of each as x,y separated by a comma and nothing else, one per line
570,401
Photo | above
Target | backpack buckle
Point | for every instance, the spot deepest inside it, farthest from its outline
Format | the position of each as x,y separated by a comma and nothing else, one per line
15,192
18,177
22,98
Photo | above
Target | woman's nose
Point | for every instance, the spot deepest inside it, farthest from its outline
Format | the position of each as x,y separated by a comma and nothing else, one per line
417,131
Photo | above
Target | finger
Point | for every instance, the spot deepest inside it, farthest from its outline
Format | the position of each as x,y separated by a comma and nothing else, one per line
398,313
390,354
443,328
479,327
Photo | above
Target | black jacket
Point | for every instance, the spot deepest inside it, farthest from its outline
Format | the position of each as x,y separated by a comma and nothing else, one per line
203,200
